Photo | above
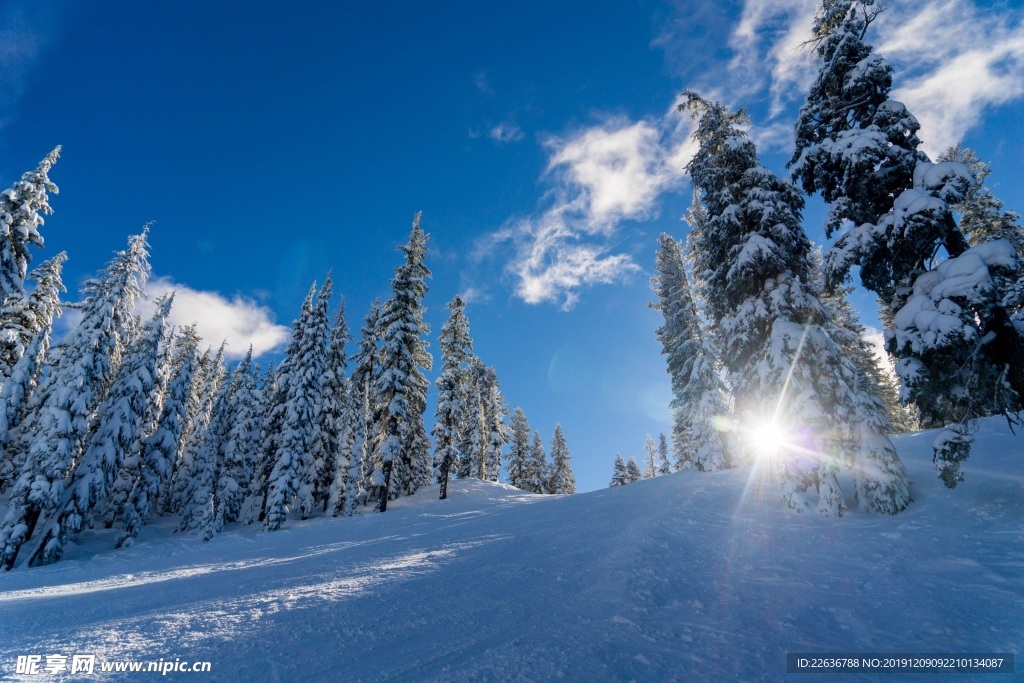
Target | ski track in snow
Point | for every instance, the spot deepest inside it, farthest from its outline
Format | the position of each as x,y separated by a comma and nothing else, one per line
691,576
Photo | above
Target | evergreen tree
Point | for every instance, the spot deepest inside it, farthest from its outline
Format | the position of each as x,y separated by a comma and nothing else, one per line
561,480
160,449
650,464
537,480
495,412
366,444
697,391
519,452
955,339
21,213
456,349
663,464
240,447
774,332
20,379
333,441
298,393
114,433
982,218
473,453
199,501
60,412
207,381
318,477
255,507
619,476
633,473
401,387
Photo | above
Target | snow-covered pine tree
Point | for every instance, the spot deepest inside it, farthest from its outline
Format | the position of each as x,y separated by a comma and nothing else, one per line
663,464
207,381
401,387
953,335
241,443
498,433
112,508
21,213
456,350
199,501
698,396
774,332
633,473
982,218
114,432
318,477
255,506
161,448
561,481
537,480
20,380
59,414
619,476
364,458
293,416
333,442
473,441
519,452
650,461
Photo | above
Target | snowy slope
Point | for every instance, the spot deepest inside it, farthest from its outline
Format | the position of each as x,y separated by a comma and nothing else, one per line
687,577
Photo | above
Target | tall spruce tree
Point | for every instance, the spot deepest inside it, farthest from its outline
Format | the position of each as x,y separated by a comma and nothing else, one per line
333,441
774,332
199,501
22,207
114,433
698,396
240,447
955,339
20,380
401,386
60,412
561,480
366,444
537,480
473,442
663,463
619,476
293,417
519,452
318,477
650,459
633,473
161,448
456,350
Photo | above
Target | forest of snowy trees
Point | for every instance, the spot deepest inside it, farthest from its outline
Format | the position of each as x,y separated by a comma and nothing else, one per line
757,331
126,419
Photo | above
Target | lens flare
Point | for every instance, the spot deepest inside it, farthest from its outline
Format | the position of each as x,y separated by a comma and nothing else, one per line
768,438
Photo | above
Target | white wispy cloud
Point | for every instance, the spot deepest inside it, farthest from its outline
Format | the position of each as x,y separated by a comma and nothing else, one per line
239,320
26,28
600,176
952,59
506,132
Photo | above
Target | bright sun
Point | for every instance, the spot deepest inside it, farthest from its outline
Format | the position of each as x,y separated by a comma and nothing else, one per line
768,438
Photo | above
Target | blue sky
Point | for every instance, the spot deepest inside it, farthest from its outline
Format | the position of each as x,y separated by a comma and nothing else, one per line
269,144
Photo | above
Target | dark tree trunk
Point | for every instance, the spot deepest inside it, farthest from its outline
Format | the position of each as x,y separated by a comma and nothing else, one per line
382,504
445,466
1007,348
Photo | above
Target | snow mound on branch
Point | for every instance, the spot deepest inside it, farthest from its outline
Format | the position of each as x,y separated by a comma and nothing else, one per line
933,315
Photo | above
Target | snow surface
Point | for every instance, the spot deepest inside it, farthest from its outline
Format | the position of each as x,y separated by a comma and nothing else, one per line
691,576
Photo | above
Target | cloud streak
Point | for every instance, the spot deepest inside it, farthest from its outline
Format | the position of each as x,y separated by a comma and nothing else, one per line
600,176
239,320
952,59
